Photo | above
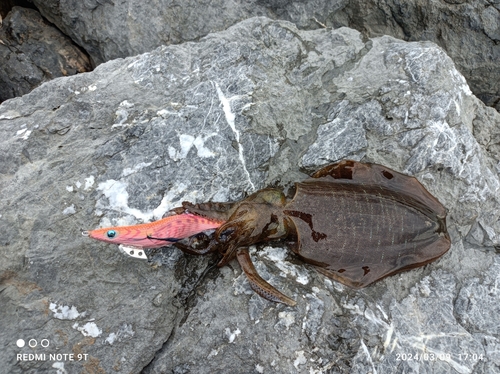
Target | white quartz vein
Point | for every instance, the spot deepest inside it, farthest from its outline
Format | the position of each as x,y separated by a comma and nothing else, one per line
230,117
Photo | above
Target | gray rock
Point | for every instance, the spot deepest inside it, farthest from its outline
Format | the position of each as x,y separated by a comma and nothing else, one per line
259,104
109,30
468,31
32,52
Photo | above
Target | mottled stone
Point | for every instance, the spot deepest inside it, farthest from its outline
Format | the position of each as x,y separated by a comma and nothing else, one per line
467,30
32,51
253,106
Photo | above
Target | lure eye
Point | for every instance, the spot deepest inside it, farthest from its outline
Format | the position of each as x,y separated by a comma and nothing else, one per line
111,234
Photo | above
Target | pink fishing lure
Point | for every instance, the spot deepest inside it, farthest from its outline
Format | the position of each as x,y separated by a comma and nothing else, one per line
155,234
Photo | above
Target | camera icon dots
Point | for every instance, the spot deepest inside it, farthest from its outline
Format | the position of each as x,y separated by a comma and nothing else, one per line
33,343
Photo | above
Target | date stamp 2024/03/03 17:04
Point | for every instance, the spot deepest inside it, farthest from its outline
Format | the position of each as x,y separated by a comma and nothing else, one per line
464,356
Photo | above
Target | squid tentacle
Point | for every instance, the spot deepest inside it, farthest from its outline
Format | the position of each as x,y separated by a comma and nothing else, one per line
258,284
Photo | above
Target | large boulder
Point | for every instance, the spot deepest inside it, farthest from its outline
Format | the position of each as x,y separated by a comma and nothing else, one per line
260,104
32,51
469,31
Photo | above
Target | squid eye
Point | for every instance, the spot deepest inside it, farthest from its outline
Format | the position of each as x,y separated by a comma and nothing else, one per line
111,234
225,235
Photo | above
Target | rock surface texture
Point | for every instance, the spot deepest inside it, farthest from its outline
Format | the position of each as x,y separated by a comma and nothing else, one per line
469,31
260,104
109,30
32,52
